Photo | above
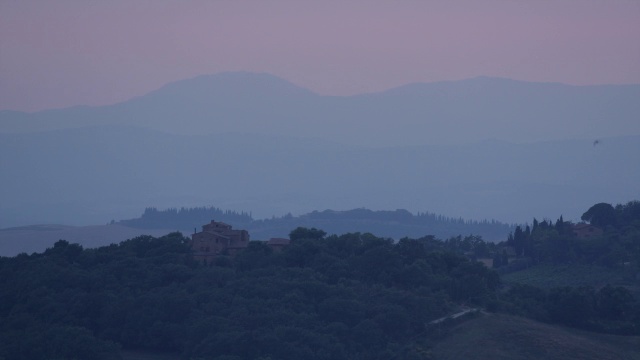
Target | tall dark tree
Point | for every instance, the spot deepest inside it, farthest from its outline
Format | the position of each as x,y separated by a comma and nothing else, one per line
518,241
505,257
601,215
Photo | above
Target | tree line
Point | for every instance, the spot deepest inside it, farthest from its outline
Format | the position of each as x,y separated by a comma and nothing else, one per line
395,224
616,244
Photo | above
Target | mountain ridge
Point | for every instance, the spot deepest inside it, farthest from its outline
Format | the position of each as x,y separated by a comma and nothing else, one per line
264,75
418,113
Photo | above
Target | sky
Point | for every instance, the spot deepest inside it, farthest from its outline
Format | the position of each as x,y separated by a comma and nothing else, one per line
64,53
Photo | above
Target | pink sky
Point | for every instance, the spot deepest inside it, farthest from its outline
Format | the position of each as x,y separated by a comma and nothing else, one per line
90,52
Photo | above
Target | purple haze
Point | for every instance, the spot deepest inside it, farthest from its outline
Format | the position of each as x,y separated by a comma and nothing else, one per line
67,52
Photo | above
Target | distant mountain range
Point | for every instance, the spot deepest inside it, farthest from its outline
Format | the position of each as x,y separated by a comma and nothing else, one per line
453,112
482,148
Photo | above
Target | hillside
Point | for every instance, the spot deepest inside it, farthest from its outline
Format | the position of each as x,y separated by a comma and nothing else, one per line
505,337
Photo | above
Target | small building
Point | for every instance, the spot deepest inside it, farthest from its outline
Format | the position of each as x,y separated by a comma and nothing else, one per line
585,231
217,238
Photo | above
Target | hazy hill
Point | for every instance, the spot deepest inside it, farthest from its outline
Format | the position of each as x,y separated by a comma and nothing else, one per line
91,175
393,224
390,224
416,114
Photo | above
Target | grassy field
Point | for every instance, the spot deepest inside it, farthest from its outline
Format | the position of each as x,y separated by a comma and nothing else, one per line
498,336
548,276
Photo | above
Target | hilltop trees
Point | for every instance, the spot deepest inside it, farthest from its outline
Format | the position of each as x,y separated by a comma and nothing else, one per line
601,215
184,218
616,241
305,233
620,216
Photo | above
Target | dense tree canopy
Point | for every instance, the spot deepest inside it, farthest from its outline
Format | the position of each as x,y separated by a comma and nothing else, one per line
601,214
354,296
616,243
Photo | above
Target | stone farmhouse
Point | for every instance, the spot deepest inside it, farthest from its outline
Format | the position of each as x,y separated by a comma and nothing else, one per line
217,238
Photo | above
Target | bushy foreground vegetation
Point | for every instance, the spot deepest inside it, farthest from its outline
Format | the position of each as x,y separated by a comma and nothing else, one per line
354,296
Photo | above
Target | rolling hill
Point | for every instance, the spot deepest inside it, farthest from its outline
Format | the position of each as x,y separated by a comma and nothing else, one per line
505,337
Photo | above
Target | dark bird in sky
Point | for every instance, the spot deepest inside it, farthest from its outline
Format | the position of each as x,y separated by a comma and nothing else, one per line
596,142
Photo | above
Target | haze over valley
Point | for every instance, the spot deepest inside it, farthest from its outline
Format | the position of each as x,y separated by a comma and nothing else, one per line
480,148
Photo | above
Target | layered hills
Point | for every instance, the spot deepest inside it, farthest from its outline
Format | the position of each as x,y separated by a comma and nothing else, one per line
483,148
91,175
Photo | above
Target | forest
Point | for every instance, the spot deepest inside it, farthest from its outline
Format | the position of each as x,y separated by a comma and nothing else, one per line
349,296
